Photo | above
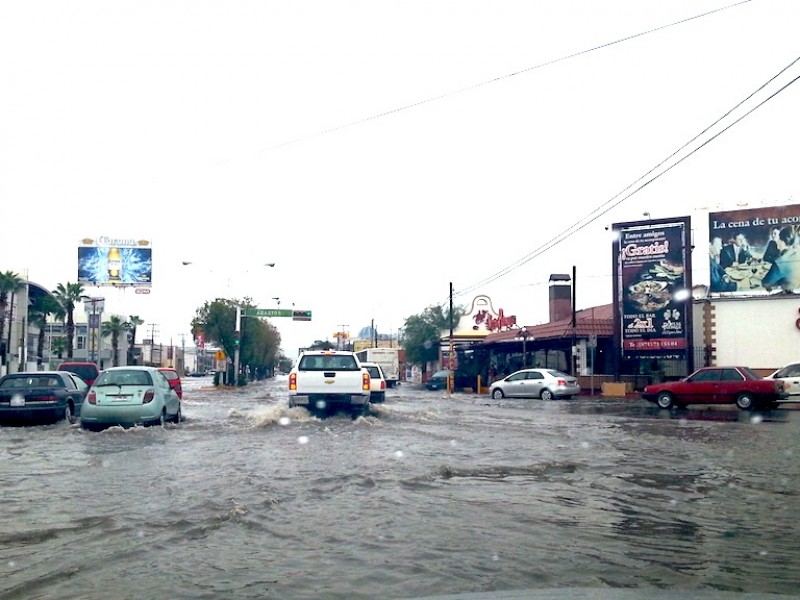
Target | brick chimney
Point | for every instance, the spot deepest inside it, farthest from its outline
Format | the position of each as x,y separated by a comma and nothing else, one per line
560,297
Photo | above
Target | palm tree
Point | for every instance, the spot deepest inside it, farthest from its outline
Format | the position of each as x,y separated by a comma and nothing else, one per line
10,282
114,327
42,308
58,345
135,321
67,296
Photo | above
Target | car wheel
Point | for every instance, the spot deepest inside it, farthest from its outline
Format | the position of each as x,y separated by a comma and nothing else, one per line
665,400
546,394
163,418
178,415
69,414
497,394
745,401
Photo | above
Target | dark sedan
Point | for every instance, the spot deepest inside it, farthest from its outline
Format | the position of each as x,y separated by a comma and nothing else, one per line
718,385
41,396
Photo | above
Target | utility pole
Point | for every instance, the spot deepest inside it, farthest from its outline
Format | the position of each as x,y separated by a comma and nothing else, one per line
153,343
451,377
339,343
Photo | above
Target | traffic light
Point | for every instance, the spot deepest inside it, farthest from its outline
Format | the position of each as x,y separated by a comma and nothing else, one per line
301,315
237,337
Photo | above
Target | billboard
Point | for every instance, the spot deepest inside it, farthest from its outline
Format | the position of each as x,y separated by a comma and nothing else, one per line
115,262
754,250
652,283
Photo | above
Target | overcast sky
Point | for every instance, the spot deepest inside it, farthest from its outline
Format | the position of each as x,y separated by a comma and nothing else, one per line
377,151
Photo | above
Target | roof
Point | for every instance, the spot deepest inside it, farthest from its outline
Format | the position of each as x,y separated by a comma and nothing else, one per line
598,320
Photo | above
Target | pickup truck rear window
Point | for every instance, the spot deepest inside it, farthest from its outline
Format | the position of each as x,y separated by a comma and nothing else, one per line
328,363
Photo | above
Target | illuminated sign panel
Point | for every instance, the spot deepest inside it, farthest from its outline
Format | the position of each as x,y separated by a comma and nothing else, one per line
754,250
115,262
652,285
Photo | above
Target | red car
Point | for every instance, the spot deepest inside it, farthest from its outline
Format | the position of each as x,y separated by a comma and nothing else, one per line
718,385
174,380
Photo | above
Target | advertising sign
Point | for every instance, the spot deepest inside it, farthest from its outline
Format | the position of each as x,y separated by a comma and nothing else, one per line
754,250
115,262
652,285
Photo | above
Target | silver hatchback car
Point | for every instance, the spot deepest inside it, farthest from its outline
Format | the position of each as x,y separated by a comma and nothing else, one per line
536,383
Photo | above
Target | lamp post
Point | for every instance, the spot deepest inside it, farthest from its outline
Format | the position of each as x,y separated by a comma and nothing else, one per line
94,325
524,334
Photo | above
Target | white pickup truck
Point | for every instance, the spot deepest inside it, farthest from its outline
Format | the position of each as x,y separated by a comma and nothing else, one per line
329,380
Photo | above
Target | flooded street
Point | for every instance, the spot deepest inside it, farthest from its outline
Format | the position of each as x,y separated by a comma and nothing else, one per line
429,495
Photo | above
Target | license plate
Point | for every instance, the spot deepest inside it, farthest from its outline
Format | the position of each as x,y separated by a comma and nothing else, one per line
17,401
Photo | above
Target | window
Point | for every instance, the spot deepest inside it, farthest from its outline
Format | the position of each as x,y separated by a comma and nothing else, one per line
706,375
731,375
535,375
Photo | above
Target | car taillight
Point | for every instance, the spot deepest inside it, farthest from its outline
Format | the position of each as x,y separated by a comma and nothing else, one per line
561,382
383,385
148,396
365,381
91,398
293,381
44,398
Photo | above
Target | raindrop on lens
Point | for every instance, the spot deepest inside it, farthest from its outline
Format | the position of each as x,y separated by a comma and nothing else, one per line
303,439
756,419
398,454
585,445
284,421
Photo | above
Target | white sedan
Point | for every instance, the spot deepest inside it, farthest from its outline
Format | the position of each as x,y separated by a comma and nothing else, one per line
536,383
790,375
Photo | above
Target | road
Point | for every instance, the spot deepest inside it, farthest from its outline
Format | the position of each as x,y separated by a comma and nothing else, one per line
429,495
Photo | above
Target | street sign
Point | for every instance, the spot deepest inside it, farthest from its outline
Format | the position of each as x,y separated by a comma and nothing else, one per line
267,312
301,315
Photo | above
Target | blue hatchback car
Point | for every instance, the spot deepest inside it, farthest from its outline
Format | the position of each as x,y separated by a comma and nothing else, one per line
130,396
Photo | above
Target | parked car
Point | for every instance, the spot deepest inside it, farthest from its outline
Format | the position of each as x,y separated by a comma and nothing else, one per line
87,371
377,382
790,376
130,396
438,381
718,385
174,380
41,396
536,383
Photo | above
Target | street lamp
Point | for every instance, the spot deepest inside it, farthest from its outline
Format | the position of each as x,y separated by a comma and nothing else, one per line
94,325
237,327
525,334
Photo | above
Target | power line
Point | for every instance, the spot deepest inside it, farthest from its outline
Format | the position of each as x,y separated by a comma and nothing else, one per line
615,200
497,79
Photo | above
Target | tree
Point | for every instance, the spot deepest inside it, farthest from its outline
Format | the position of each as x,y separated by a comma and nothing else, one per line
114,327
423,333
58,345
42,308
260,341
10,283
68,294
135,321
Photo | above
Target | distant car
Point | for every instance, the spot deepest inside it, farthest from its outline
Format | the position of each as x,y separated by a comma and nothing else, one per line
174,380
87,371
377,382
41,396
536,383
790,376
718,385
438,381
130,396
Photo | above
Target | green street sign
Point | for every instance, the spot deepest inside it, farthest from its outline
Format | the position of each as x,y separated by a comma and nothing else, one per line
267,312
301,315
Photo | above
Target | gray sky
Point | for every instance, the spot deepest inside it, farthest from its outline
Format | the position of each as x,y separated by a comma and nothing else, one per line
376,151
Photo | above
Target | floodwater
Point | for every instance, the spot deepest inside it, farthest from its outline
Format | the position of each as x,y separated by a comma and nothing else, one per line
431,494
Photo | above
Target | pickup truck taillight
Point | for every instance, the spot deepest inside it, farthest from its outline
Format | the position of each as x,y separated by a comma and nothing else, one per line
293,381
365,381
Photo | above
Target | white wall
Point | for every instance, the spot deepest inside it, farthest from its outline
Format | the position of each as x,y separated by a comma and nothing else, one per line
756,332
